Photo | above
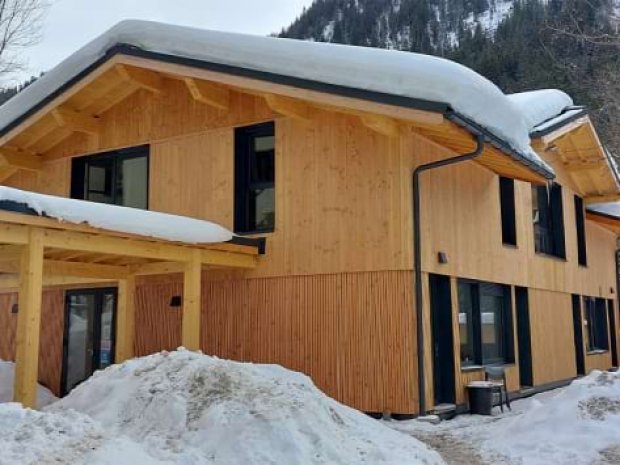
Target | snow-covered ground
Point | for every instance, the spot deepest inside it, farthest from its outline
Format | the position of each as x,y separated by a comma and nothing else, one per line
187,408
577,425
7,373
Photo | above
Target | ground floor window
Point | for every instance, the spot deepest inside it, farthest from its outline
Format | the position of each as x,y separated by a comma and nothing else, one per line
485,323
596,324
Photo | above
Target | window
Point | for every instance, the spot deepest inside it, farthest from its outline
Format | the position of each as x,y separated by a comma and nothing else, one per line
255,178
548,217
507,205
485,323
596,324
119,177
581,231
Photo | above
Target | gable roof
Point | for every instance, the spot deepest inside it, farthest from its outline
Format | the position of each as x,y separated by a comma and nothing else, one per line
397,78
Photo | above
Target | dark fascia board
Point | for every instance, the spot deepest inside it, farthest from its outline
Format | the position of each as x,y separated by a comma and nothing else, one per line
363,94
559,124
476,129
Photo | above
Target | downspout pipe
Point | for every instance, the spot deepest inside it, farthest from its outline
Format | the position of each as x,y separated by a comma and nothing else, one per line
417,256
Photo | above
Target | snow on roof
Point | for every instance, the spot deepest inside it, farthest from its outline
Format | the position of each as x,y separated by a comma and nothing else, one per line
403,74
541,105
609,209
565,117
120,219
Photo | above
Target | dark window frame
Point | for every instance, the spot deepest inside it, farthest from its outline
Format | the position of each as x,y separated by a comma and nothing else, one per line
580,225
477,290
508,211
244,136
80,164
549,233
595,317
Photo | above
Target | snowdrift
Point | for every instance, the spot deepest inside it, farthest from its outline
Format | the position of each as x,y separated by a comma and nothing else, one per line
7,373
579,425
185,407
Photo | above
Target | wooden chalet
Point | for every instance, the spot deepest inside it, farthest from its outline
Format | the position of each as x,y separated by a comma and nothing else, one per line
315,178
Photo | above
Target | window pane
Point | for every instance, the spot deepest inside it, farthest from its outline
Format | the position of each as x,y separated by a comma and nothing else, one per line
106,343
262,169
262,208
98,182
492,331
80,339
132,182
466,330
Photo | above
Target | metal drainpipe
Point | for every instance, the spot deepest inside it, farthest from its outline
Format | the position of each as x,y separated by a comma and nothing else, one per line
417,254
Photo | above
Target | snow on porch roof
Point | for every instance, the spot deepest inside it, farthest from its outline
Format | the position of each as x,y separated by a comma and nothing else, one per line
119,219
428,82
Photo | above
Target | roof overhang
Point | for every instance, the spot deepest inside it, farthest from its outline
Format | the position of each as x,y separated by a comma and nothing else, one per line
609,222
64,110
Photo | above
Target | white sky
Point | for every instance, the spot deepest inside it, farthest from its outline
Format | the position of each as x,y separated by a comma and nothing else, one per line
69,24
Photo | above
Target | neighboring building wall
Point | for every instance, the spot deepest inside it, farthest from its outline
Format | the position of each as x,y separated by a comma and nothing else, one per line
333,295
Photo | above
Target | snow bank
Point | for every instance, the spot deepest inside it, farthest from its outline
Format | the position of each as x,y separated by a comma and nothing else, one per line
120,219
578,426
7,374
540,105
391,72
185,407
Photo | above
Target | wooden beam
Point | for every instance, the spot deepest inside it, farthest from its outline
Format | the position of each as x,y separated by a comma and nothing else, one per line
125,319
24,160
601,198
144,78
208,93
287,106
6,171
11,253
158,268
10,282
381,124
229,259
29,321
564,130
76,122
585,166
192,282
84,270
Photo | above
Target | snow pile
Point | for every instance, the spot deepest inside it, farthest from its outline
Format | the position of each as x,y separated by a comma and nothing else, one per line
186,407
120,219
579,425
541,105
435,80
7,374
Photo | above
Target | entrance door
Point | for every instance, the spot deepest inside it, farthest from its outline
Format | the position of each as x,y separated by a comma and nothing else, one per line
443,347
578,334
89,334
524,337
613,332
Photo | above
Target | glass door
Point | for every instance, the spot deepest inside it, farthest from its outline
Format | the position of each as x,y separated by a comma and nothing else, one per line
89,334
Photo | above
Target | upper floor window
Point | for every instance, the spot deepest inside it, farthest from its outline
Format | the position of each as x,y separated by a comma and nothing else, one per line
485,323
507,206
255,178
118,177
548,217
580,224
596,324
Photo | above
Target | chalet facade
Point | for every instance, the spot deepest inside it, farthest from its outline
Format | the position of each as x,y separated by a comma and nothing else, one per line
315,178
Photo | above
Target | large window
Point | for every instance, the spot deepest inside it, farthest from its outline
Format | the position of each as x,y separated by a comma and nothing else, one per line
507,205
548,217
119,177
581,231
596,324
255,178
485,323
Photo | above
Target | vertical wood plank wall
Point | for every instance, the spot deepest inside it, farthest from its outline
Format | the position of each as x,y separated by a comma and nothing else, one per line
333,295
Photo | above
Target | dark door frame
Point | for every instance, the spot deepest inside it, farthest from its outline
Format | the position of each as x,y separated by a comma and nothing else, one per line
526,376
444,383
580,361
613,332
98,292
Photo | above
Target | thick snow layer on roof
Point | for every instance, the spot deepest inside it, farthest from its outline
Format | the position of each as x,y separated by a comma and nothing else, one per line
610,209
120,219
541,105
184,407
567,115
398,73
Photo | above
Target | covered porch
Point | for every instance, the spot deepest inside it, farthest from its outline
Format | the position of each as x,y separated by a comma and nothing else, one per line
40,250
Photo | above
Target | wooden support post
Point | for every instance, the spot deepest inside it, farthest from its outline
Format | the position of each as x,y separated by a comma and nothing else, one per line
190,331
125,319
29,321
